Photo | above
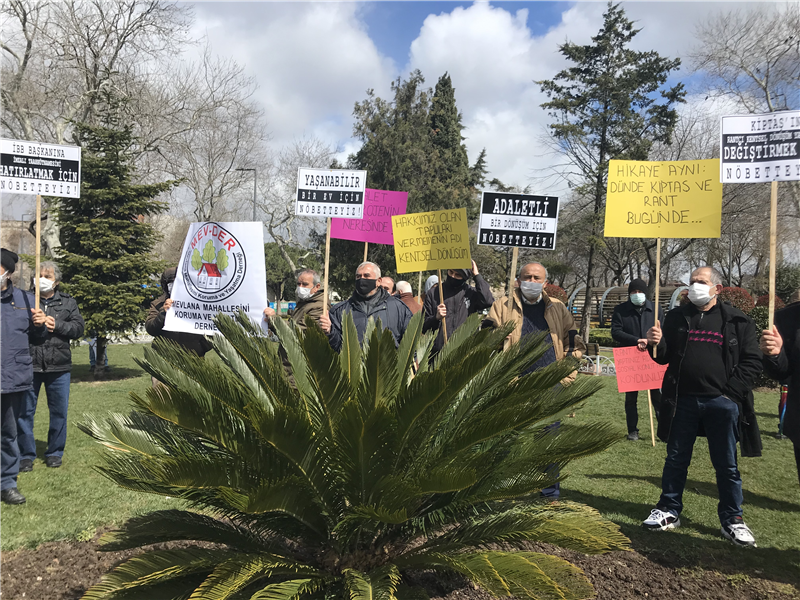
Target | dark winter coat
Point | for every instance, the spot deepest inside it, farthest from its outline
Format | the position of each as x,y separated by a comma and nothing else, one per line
787,366
628,325
154,325
742,359
51,353
18,331
460,302
394,316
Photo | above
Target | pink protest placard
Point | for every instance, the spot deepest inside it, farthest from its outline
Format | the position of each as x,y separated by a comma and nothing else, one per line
636,371
376,226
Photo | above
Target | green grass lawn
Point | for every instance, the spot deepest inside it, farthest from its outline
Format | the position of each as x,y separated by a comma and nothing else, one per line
623,483
73,500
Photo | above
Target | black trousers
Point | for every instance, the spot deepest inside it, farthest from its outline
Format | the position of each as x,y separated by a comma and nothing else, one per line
632,412
797,459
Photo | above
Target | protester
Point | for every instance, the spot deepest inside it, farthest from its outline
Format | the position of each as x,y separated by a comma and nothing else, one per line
712,357
368,300
781,347
406,296
460,301
52,366
157,316
387,283
534,312
430,282
629,325
309,299
21,325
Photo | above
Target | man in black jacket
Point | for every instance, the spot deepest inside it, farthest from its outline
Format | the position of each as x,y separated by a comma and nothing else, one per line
781,348
369,300
713,360
52,366
460,301
629,325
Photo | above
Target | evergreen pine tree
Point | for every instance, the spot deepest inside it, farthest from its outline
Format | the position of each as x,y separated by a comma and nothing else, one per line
610,104
410,144
106,253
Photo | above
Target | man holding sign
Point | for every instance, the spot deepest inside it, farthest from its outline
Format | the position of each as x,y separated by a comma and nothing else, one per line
369,300
629,325
713,359
455,303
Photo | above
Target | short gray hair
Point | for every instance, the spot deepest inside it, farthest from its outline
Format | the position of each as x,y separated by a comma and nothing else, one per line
403,287
48,265
546,274
715,277
371,264
312,272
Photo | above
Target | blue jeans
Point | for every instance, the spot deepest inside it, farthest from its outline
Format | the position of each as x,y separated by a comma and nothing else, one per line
9,448
56,387
92,359
719,417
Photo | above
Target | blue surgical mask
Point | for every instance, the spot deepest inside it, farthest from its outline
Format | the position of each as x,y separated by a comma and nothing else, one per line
638,298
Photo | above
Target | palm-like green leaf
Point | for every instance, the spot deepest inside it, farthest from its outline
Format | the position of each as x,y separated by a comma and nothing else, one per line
361,466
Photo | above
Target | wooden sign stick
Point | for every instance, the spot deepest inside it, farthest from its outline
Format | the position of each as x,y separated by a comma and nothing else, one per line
327,262
655,350
512,276
441,301
366,247
38,248
773,241
419,287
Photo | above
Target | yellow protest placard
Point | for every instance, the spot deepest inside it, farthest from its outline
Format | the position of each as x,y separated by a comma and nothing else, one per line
431,240
668,199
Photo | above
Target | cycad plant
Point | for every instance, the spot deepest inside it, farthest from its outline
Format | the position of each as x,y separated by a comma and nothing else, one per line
375,464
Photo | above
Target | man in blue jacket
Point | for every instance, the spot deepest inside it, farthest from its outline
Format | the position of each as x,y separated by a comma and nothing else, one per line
629,325
368,300
21,325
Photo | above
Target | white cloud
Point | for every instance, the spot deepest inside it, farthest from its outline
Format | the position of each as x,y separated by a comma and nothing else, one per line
312,61
494,61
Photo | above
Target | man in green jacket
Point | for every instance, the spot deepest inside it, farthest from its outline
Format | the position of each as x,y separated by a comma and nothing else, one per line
309,299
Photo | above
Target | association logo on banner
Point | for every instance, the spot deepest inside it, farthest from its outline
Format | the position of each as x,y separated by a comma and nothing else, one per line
214,264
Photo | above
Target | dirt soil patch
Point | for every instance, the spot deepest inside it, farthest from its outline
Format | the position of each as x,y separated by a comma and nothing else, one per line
64,570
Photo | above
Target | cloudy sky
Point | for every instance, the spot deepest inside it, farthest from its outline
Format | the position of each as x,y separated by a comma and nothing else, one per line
314,60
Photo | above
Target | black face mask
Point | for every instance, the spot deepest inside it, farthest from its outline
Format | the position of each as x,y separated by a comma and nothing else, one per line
453,282
365,286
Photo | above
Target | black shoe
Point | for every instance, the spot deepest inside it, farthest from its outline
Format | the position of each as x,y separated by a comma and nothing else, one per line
634,435
12,496
25,465
52,461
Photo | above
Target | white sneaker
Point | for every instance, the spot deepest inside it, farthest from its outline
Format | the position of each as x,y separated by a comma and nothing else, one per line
661,520
739,533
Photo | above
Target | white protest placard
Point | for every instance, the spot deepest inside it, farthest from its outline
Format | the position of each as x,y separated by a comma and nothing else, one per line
518,220
42,169
221,270
330,193
760,148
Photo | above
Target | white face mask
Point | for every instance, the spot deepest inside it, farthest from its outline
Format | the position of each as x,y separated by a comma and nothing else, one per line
3,279
169,288
46,285
302,293
531,290
638,298
700,294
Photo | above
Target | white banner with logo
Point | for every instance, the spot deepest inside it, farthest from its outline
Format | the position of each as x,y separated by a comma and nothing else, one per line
221,270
